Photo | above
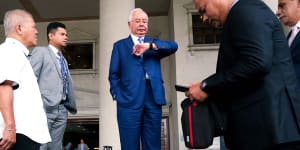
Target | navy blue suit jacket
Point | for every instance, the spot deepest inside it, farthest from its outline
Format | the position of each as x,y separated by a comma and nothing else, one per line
295,51
255,79
127,71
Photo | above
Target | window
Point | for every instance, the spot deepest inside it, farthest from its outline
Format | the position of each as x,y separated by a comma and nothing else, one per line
80,55
203,33
202,36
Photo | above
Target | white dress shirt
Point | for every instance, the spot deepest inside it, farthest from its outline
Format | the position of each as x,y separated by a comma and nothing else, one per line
135,39
295,29
30,117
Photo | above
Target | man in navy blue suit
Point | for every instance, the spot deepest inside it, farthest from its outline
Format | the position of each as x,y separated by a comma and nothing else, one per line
136,84
254,80
289,14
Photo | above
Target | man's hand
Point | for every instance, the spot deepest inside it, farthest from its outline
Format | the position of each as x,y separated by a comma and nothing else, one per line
139,49
8,139
195,92
7,112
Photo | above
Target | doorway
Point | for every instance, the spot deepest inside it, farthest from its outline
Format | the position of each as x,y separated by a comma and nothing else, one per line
87,129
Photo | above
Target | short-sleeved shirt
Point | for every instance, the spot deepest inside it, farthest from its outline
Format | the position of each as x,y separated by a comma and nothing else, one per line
30,117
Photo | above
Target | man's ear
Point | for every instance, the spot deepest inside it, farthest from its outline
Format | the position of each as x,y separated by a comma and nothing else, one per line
129,22
18,29
50,35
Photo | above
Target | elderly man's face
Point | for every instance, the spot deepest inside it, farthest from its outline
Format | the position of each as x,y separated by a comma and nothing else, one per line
29,32
139,24
211,11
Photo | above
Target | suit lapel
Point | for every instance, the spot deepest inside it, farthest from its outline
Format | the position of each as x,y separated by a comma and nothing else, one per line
295,41
54,59
129,43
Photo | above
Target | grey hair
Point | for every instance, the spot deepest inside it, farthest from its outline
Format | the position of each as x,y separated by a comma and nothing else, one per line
133,11
13,18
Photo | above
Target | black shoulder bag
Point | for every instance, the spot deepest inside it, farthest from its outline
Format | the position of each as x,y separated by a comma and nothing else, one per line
201,122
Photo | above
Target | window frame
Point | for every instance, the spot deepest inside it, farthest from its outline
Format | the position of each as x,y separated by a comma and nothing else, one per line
85,71
196,47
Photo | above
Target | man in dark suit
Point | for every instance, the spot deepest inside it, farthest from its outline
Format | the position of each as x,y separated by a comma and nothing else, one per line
55,83
289,14
136,84
255,80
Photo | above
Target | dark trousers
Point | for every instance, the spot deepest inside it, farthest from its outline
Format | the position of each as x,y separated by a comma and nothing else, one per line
23,142
140,125
222,144
287,146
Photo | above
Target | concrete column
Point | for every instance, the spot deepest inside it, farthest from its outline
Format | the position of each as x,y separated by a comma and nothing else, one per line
113,26
272,4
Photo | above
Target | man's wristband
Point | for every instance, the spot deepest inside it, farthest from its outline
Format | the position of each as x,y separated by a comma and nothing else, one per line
11,129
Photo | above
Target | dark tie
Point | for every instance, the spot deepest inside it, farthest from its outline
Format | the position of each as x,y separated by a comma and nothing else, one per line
140,40
64,73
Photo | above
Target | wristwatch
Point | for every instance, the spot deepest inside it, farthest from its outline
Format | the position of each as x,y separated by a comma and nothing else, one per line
150,46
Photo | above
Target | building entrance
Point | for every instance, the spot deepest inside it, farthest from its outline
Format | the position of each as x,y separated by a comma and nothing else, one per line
86,129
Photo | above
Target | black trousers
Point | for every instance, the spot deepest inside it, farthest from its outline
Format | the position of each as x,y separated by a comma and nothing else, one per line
288,146
285,146
25,143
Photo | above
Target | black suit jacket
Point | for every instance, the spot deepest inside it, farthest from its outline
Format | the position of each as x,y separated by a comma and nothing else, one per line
255,79
295,51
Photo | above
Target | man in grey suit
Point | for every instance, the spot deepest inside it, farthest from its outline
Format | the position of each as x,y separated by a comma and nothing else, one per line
55,83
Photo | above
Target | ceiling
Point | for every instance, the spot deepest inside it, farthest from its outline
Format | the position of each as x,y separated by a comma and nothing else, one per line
63,10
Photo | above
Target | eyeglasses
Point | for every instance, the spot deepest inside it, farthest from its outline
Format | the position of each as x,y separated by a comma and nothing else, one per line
140,21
